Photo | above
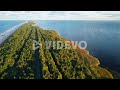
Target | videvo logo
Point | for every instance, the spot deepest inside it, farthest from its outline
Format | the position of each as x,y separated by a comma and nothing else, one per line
60,44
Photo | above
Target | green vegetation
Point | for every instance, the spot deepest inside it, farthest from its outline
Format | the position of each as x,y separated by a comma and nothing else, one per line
19,61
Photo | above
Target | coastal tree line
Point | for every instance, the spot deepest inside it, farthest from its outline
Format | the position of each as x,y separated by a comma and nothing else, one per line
18,59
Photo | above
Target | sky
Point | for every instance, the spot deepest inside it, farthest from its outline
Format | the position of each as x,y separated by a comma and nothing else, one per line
59,15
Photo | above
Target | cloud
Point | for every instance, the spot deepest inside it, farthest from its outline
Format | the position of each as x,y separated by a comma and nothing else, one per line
59,15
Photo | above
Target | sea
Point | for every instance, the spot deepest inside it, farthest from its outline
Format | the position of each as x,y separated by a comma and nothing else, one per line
102,37
7,24
7,28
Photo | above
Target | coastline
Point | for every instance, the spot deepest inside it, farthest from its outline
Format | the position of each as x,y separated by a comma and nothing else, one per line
93,61
9,32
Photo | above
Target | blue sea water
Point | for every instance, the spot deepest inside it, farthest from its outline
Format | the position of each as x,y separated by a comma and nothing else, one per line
102,37
8,28
7,24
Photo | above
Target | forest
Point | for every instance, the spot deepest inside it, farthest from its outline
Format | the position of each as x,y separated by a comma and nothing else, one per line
18,60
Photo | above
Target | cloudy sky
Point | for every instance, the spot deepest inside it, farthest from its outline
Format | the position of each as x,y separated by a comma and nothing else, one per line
59,15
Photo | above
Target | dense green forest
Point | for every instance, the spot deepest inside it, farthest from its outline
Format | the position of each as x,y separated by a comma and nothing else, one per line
18,60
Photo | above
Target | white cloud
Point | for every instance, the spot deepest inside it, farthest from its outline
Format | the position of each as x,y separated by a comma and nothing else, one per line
59,15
